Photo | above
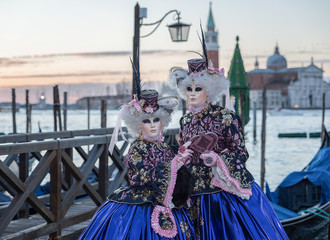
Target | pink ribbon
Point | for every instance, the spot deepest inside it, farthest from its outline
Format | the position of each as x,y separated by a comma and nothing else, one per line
114,138
136,104
212,69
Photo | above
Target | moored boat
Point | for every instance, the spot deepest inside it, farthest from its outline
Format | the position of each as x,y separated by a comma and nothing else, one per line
302,200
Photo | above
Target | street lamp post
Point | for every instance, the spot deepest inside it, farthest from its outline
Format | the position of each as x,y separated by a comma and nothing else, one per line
179,33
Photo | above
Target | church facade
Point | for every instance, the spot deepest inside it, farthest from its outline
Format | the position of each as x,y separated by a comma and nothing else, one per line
288,87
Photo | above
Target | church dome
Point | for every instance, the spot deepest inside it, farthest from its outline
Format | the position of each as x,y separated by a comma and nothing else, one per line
276,61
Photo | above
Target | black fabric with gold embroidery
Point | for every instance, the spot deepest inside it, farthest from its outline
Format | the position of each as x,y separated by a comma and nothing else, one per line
227,126
149,173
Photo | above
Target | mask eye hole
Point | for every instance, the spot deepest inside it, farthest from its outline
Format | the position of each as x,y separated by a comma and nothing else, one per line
198,89
146,121
189,89
156,120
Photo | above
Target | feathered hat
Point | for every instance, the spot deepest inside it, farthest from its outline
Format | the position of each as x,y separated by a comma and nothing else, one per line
145,104
201,72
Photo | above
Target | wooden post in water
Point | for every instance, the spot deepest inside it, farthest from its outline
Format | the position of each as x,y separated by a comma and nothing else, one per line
242,104
13,109
27,111
263,139
103,113
54,109
65,107
30,119
88,112
323,112
254,122
88,116
57,108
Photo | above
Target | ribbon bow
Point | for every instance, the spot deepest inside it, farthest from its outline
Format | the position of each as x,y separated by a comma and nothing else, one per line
212,69
136,104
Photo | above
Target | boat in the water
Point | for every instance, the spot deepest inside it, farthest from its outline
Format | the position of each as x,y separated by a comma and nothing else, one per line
8,109
302,200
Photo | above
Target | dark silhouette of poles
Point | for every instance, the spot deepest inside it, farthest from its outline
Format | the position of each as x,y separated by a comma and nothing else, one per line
13,109
242,105
57,109
65,107
28,109
103,113
136,44
263,138
323,112
254,122
88,116
88,112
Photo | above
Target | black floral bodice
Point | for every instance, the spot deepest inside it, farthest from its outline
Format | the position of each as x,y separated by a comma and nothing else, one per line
148,169
227,126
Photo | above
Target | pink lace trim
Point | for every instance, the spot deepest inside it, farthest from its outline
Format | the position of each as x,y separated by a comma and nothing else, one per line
167,201
237,190
171,185
155,222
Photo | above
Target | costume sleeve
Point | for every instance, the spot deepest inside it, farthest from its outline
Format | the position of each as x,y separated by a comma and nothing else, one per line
230,172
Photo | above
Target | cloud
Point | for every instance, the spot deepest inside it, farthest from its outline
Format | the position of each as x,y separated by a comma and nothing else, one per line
88,74
90,54
5,62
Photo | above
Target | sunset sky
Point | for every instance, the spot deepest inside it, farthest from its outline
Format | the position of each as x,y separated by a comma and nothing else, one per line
45,42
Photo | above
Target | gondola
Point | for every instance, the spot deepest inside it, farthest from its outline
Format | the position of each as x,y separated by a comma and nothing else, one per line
302,200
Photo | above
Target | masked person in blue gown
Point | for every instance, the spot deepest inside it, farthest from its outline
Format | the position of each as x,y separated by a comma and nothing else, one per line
227,202
144,210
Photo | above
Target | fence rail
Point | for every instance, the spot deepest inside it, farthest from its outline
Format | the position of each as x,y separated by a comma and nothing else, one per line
65,159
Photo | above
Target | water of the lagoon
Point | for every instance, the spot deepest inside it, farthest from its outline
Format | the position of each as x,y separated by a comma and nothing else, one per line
283,155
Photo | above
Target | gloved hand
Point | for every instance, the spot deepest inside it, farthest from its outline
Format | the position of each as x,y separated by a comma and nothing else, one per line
184,154
209,158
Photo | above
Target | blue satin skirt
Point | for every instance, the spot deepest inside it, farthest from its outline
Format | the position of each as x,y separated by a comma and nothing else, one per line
226,216
124,221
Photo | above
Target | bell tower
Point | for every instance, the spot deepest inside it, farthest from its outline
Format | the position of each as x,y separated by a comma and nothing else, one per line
212,40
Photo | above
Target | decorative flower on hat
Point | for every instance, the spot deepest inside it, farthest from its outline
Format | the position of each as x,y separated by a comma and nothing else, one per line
149,110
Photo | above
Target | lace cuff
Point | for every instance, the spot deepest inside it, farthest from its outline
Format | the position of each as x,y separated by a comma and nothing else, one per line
223,179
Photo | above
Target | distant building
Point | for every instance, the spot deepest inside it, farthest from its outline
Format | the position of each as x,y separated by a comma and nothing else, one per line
211,38
307,90
112,101
288,87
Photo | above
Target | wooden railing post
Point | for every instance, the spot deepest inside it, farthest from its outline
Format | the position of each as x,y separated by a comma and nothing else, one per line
23,175
55,193
104,173
67,175
65,109
13,109
103,113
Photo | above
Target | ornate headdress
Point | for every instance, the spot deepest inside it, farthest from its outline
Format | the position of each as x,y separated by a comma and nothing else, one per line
146,103
201,72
